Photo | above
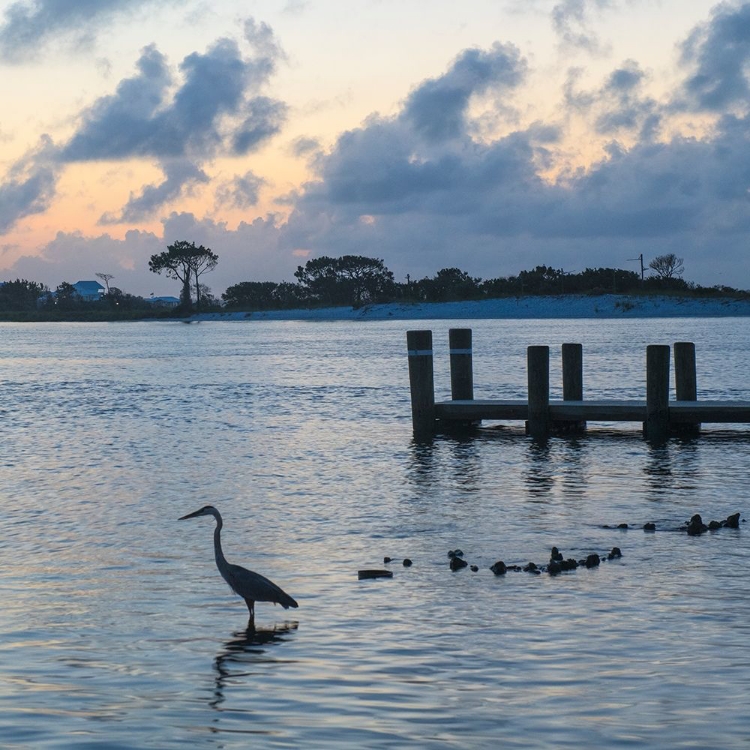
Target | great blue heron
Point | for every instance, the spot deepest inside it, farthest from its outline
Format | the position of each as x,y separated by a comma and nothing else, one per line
251,586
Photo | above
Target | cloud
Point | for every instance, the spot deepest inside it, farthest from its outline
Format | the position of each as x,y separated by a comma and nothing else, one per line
304,147
180,175
130,122
143,119
27,27
261,37
718,53
265,118
437,108
240,192
619,105
29,186
212,108
571,22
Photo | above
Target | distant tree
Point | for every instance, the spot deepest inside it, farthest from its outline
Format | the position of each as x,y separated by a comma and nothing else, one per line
118,300
319,279
449,285
106,278
175,263
66,296
182,261
542,280
207,298
21,295
202,260
667,266
499,287
251,295
349,280
288,295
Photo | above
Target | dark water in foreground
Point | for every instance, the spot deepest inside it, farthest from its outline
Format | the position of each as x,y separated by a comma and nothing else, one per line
116,630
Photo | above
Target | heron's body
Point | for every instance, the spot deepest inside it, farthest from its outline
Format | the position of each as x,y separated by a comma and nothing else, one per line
251,586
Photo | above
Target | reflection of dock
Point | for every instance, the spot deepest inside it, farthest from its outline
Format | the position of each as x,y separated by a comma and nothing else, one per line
660,416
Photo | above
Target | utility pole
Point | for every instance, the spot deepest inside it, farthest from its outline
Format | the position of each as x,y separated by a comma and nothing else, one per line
643,270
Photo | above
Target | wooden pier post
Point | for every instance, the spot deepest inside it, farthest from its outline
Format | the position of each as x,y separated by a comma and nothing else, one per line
538,424
572,377
421,382
462,376
572,372
656,426
686,386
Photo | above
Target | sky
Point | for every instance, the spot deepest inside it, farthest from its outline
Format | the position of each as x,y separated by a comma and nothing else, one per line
488,135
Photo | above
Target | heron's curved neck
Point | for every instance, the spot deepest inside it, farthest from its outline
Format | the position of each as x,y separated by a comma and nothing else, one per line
221,561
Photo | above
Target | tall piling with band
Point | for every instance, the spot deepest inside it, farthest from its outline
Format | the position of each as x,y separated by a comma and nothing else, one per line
462,369
422,384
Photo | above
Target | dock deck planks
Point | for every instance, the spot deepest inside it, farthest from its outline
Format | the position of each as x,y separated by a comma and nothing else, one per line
681,412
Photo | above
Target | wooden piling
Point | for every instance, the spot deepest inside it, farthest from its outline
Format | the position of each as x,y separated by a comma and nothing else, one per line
572,372
656,426
572,377
686,386
538,424
421,382
462,376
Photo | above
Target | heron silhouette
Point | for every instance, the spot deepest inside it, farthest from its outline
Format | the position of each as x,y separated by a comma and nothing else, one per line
251,586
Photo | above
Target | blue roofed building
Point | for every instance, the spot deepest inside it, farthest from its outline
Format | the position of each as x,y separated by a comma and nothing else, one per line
90,291
163,301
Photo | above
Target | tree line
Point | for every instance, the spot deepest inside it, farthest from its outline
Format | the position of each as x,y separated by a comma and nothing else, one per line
354,280
348,280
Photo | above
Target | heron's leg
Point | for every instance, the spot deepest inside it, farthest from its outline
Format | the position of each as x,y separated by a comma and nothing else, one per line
251,608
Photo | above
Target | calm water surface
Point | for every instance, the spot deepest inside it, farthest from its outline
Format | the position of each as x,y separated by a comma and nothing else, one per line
116,630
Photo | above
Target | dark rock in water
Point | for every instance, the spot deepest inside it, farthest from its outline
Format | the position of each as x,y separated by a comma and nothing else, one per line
407,562
498,568
622,526
474,568
569,564
455,553
606,526
554,568
732,522
649,526
696,526
362,574
555,555
713,525
386,560
531,568
457,563
614,554
515,568
592,560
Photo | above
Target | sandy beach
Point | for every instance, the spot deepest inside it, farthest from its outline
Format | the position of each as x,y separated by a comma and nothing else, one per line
569,306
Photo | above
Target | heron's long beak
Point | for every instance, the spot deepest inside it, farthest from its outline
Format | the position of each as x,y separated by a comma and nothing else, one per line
192,515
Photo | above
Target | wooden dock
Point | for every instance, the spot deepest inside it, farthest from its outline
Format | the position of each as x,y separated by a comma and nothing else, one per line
659,416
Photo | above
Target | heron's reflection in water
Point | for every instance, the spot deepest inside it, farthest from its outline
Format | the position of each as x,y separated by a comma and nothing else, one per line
244,652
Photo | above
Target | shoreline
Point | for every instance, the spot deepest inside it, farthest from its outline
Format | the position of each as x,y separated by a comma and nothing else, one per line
611,306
